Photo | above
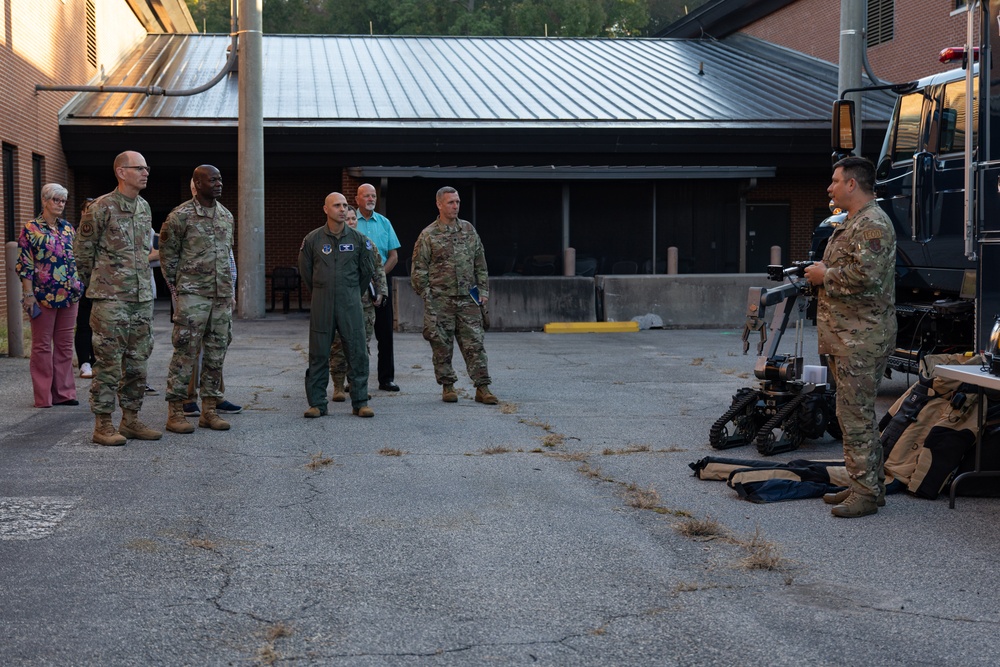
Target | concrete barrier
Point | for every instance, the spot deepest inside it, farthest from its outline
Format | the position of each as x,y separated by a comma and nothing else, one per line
517,303
689,301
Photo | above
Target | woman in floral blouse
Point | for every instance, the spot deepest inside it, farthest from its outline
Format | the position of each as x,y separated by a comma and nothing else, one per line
52,289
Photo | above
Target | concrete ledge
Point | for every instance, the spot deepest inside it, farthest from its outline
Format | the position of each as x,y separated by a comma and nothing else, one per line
516,303
690,301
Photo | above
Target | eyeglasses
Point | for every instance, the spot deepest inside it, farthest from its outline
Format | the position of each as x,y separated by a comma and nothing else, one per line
143,168
57,200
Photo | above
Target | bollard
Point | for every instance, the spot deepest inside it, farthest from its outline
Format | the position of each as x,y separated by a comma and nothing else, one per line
672,261
776,254
15,320
569,262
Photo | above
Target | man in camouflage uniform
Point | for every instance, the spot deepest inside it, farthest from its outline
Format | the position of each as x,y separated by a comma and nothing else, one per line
448,262
195,245
856,322
337,263
112,256
380,288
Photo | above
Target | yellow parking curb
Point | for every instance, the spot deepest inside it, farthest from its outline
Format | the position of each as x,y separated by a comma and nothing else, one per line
591,327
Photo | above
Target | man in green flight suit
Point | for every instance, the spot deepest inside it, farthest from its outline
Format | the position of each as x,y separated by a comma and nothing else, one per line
337,264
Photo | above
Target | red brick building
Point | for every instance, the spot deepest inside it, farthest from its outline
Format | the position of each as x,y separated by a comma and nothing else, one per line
51,42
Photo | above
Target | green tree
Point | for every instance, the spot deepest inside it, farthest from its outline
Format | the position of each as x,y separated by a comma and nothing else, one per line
210,15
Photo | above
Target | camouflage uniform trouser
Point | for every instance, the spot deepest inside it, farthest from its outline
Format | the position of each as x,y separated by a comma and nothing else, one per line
447,319
197,320
123,341
857,377
338,360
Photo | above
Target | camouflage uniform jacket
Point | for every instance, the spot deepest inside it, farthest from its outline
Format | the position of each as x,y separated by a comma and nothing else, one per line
856,311
195,243
379,282
448,260
113,246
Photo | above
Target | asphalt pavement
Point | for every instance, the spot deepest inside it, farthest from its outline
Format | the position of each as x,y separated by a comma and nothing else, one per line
562,527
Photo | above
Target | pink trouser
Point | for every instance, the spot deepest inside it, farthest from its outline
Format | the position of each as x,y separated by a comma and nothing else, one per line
52,356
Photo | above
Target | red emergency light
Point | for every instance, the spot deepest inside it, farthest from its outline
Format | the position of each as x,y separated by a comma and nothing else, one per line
953,53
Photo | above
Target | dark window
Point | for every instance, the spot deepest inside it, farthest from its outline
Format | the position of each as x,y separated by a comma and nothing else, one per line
959,4
37,171
879,21
91,33
8,193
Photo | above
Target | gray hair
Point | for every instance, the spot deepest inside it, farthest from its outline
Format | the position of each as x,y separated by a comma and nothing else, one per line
50,190
446,190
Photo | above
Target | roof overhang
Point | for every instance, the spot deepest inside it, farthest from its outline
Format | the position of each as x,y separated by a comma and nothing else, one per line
565,172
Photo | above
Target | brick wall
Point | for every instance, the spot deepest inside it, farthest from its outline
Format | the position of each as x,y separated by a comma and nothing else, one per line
921,29
44,42
808,206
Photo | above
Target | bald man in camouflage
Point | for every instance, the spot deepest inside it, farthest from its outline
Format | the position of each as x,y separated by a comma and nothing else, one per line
112,256
195,245
856,322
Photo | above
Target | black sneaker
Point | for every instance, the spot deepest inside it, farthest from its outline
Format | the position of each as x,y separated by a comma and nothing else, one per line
227,408
151,391
191,409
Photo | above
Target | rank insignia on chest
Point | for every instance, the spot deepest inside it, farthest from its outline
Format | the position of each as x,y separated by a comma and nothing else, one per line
346,247
326,249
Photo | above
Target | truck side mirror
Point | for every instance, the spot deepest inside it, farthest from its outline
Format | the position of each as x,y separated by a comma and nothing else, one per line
843,126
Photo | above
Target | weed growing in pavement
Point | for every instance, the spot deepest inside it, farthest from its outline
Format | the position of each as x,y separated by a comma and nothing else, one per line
698,361
553,439
631,449
319,461
643,499
494,450
701,528
545,426
761,554
566,456
202,543
391,451
508,408
267,655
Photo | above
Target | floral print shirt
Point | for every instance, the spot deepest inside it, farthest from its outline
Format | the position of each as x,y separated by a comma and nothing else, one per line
46,259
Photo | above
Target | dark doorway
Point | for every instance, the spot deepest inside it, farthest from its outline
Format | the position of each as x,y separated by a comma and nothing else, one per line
767,225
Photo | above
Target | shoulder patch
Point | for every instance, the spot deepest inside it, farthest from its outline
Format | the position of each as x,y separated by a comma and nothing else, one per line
872,234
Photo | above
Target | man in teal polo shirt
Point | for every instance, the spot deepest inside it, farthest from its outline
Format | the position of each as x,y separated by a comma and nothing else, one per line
378,228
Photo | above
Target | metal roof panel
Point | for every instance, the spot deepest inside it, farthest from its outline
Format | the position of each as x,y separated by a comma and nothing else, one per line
441,81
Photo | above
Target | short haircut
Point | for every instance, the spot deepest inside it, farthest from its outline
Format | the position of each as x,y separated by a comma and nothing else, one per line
50,190
446,190
861,170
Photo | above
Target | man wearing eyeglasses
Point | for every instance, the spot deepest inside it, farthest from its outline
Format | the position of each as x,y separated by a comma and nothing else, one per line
112,255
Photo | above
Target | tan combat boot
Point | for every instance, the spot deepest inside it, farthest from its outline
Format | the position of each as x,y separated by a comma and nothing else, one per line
363,411
839,497
856,505
105,433
338,389
448,394
210,418
484,395
176,421
132,427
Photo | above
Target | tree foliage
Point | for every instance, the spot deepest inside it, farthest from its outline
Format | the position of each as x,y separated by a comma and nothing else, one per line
556,18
